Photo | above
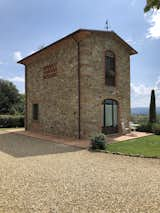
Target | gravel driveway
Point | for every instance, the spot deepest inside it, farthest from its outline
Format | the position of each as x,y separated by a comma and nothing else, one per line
40,176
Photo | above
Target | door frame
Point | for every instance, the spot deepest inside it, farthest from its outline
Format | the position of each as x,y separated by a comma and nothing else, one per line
110,129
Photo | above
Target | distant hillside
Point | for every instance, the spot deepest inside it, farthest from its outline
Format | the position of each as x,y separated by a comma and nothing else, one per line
142,110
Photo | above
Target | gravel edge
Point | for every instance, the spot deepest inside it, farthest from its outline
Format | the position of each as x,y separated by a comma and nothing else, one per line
124,154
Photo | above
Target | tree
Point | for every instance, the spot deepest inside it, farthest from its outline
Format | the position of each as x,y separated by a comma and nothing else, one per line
152,109
19,107
9,97
152,4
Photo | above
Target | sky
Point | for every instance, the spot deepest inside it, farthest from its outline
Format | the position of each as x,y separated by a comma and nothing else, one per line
27,25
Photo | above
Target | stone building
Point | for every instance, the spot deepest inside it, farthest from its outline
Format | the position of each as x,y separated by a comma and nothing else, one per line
79,85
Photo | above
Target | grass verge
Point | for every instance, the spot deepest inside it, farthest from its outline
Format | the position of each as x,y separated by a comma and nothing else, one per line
147,146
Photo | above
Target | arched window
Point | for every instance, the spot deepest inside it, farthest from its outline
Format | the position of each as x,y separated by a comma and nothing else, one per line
110,68
110,116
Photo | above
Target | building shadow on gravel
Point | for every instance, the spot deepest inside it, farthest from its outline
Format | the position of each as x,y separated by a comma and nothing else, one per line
25,146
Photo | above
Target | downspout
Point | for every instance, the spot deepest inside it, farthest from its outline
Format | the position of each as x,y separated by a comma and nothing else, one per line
79,88
26,101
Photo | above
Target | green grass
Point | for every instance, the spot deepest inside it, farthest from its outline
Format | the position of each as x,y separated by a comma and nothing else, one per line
5,129
147,146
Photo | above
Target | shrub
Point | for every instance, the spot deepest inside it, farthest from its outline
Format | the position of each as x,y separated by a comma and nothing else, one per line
98,142
7,121
145,127
156,128
152,108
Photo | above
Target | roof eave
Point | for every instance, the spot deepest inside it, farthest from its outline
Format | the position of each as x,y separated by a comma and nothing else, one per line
132,51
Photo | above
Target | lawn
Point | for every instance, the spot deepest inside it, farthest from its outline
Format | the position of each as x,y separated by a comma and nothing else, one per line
147,146
5,129
11,128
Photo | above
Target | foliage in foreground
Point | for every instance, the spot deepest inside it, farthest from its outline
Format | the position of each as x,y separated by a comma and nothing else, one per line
147,146
152,4
98,141
8,121
156,128
146,127
150,127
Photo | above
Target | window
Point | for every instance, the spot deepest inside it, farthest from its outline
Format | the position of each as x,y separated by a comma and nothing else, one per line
110,72
110,116
35,111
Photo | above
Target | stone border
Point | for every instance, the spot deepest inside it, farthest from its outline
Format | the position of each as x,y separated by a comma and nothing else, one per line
124,154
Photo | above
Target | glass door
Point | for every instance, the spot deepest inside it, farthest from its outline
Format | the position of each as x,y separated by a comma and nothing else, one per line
110,116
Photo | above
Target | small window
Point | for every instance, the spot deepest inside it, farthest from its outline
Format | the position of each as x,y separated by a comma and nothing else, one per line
110,72
35,112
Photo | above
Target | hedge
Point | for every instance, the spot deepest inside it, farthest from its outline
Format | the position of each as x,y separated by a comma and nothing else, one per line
147,127
7,121
156,128
150,127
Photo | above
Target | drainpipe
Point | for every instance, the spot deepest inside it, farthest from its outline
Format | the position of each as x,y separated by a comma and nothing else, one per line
79,88
26,100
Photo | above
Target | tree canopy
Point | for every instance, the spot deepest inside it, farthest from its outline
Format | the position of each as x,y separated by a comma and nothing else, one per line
152,4
11,102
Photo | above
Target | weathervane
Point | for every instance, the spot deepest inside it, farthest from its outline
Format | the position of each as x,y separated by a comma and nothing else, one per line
107,25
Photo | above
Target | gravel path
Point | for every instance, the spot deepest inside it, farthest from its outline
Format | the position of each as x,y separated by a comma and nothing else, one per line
40,176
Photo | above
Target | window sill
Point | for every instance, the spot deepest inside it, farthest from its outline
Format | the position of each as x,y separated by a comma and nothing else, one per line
35,121
111,86
109,130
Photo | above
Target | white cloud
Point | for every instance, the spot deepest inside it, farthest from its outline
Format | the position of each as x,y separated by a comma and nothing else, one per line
154,21
17,55
140,89
133,41
130,41
1,62
30,53
33,51
140,94
157,84
17,79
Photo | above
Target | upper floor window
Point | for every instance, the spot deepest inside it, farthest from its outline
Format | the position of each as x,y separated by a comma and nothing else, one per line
110,69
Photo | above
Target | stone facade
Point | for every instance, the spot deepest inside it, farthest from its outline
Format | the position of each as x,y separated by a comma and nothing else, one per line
58,95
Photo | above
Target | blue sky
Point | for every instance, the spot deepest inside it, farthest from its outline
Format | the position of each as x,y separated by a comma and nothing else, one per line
26,25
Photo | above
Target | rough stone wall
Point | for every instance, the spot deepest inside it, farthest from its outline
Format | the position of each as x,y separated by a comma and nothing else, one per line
93,88
57,96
